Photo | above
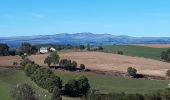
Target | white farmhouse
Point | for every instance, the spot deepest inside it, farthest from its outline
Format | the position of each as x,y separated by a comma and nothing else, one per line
52,49
44,50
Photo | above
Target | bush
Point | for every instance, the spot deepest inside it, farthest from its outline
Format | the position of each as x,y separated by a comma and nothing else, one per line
15,63
23,92
68,64
30,69
120,52
82,66
131,71
52,59
46,79
77,87
165,55
168,73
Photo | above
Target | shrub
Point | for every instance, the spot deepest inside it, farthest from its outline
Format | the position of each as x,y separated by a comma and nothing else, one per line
82,66
56,95
30,69
165,55
68,64
23,92
131,71
168,73
46,79
120,52
15,63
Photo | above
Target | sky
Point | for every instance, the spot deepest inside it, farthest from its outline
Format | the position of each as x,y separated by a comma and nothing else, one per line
140,18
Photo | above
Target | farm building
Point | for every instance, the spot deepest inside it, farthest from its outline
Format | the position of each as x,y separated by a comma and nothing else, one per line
44,50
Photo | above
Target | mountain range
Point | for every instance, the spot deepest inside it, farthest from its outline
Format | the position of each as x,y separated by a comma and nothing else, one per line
83,38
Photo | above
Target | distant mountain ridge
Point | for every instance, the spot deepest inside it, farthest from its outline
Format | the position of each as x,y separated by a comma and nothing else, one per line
83,38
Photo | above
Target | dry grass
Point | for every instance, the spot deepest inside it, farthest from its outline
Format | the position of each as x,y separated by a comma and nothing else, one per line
154,45
8,60
111,62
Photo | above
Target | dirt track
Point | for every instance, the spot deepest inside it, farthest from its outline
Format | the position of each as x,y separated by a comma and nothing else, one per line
112,62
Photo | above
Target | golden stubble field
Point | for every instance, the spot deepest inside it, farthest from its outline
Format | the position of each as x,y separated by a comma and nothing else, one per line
101,61
111,62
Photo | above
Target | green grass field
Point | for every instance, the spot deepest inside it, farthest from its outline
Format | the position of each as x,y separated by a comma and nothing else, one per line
109,84
104,83
139,51
10,78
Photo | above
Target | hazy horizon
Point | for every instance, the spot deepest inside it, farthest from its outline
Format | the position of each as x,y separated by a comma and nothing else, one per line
145,18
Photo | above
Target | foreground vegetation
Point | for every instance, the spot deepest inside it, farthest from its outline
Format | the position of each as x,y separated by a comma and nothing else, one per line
138,51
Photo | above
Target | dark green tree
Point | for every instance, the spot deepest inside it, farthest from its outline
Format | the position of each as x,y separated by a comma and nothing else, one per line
82,66
30,68
4,49
131,71
48,61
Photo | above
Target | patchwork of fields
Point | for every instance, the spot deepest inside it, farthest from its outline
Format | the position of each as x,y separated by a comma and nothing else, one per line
10,78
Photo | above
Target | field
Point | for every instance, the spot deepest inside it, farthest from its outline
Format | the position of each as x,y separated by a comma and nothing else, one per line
154,45
10,78
137,51
111,62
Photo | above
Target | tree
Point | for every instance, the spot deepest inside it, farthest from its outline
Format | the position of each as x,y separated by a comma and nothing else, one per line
23,92
82,66
30,68
120,52
131,71
88,47
4,49
70,88
81,47
168,73
165,55
26,48
46,79
83,85
48,61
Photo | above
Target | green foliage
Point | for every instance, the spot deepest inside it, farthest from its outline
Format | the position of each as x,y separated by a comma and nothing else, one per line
48,61
165,55
88,47
82,66
52,59
56,94
120,52
131,71
30,68
77,87
23,92
68,64
28,48
4,49
46,79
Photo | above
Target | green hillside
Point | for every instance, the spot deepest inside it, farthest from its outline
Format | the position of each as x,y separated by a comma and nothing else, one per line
139,51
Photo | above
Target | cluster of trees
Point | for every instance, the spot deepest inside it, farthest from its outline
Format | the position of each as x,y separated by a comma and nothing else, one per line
120,52
77,87
160,95
66,64
45,78
27,48
4,49
165,55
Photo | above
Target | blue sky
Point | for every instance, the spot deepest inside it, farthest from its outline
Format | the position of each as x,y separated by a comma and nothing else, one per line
118,17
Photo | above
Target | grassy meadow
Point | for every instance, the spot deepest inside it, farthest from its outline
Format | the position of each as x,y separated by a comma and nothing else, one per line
138,51
104,83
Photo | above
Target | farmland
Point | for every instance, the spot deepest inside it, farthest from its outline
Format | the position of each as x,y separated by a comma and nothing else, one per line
136,50
111,62
10,78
